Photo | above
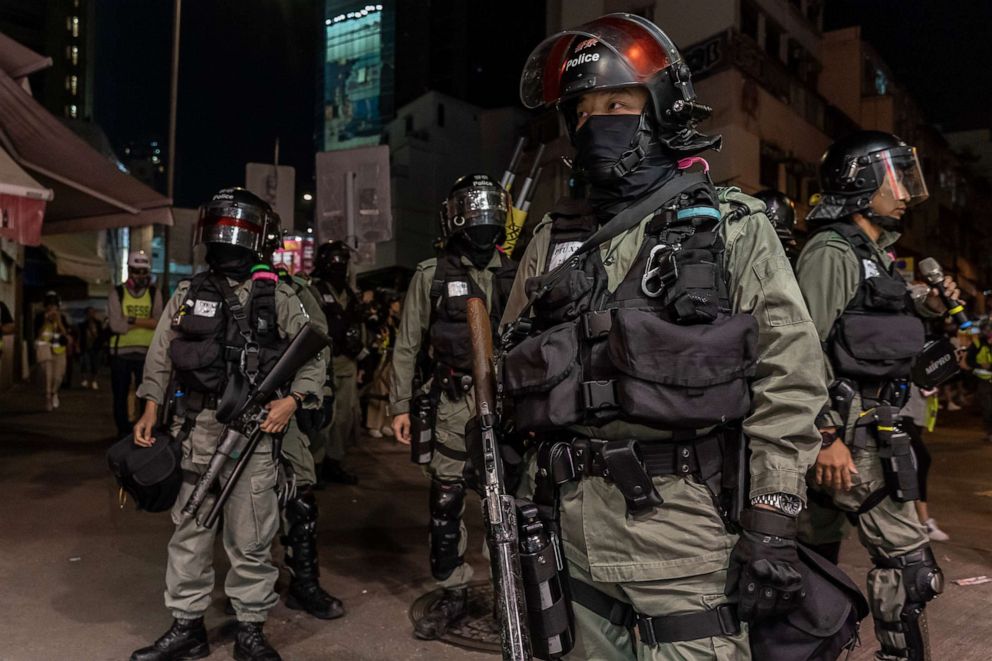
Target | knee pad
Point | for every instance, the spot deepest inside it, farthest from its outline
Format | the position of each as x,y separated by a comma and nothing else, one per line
921,576
447,499
302,510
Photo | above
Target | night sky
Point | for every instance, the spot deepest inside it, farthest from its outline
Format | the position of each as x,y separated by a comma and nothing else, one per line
249,74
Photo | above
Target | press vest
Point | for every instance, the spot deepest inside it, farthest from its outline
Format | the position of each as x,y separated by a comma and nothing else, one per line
209,340
664,349
878,334
139,307
451,288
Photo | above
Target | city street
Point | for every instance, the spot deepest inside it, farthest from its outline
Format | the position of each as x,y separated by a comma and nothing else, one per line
83,579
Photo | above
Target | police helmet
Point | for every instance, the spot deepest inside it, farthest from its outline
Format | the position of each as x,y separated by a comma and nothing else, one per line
238,217
477,207
780,210
331,254
613,52
52,298
853,169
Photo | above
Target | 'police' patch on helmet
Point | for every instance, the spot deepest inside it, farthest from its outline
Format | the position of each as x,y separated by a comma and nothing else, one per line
562,252
205,308
457,288
871,268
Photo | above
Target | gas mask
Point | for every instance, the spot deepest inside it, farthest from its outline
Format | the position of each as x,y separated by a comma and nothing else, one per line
232,262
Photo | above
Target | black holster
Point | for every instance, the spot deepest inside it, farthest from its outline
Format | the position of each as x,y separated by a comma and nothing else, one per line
898,459
542,563
423,413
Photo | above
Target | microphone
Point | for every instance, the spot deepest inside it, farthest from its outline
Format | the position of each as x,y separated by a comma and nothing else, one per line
934,275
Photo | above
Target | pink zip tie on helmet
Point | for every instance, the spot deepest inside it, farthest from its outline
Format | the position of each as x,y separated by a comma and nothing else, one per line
686,163
265,275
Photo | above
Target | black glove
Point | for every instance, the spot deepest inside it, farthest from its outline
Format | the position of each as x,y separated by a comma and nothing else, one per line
764,577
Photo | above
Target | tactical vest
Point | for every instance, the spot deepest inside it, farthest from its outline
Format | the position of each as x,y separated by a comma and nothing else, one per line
664,349
212,330
878,334
139,307
342,320
451,288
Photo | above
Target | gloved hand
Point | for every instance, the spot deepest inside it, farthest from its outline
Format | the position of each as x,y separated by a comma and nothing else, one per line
764,577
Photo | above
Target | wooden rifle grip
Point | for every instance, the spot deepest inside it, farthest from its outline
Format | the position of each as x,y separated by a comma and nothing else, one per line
481,337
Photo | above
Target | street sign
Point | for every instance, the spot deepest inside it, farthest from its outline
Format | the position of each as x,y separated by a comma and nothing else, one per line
354,203
276,184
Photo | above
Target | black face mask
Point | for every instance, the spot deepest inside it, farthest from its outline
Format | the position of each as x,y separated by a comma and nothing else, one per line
232,262
478,253
889,223
337,274
600,144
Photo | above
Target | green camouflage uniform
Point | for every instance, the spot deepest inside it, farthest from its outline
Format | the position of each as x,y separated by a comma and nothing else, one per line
829,274
674,560
448,462
251,516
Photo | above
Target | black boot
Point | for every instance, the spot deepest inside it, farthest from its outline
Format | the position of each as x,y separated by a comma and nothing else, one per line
445,612
305,592
250,644
333,471
185,639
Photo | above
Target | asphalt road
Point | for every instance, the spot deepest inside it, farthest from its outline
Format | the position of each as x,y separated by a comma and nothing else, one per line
82,578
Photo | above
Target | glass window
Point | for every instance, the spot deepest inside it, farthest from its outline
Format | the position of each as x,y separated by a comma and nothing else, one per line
73,110
74,55
73,85
75,26
749,19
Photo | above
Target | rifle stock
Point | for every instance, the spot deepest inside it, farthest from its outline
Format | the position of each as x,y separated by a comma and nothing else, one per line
498,507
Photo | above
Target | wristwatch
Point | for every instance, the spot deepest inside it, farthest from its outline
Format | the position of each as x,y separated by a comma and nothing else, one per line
827,438
298,398
783,502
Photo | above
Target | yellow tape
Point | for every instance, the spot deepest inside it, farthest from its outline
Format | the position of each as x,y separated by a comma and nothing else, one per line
881,428
514,225
955,309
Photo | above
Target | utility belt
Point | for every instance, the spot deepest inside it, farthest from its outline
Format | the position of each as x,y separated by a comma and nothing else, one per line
452,381
879,420
655,630
714,459
189,403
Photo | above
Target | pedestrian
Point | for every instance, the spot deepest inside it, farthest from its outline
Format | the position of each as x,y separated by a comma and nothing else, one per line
341,308
473,222
871,330
133,311
915,420
670,329
51,346
979,361
92,340
378,422
242,321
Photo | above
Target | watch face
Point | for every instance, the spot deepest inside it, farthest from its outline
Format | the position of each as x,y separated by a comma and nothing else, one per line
791,506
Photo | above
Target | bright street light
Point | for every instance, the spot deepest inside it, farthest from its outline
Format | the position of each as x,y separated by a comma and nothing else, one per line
307,197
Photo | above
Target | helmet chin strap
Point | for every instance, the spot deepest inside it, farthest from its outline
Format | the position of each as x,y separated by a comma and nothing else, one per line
890,223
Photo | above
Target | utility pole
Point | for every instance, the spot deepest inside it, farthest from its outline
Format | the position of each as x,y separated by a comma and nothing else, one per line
170,176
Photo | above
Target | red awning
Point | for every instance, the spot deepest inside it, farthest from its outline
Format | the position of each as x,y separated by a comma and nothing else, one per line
90,192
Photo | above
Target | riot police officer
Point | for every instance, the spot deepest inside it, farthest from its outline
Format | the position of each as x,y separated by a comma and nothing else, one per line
300,512
341,308
473,221
871,331
782,212
219,330
660,320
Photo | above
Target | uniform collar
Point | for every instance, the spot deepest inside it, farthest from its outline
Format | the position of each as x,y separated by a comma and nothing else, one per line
494,263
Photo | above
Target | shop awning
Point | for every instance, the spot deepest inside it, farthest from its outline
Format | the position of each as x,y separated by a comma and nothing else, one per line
76,255
90,192
22,203
19,61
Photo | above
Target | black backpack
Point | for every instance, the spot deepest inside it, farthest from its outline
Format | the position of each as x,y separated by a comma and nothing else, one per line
151,476
825,626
